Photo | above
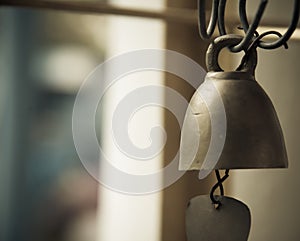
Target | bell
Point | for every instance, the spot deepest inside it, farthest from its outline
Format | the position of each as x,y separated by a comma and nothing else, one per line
231,122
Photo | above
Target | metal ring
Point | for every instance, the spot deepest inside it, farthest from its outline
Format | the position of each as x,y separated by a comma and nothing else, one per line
229,40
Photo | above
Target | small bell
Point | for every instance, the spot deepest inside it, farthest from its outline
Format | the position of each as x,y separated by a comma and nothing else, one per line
231,122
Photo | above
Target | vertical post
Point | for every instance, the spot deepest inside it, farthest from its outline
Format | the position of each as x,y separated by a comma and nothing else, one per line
186,40
14,121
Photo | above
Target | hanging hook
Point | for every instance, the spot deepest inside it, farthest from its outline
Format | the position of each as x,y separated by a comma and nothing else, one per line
218,15
219,184
250,31
207,33
283,38
258,38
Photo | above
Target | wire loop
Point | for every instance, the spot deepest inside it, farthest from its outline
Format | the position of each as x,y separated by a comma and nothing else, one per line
244,44
283,38
257,41
251,34
207,33
221,17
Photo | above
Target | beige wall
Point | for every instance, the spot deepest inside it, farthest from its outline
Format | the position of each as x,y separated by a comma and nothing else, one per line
273,195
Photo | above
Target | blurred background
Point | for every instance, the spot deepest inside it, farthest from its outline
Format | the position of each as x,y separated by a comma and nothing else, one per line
46,193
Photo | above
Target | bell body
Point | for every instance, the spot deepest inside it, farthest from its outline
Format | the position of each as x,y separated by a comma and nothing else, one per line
231,122
254,137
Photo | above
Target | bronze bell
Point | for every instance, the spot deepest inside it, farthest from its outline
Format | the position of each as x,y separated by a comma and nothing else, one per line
231,122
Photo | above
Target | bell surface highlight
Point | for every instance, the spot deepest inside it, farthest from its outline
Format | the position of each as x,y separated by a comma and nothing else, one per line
231,122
